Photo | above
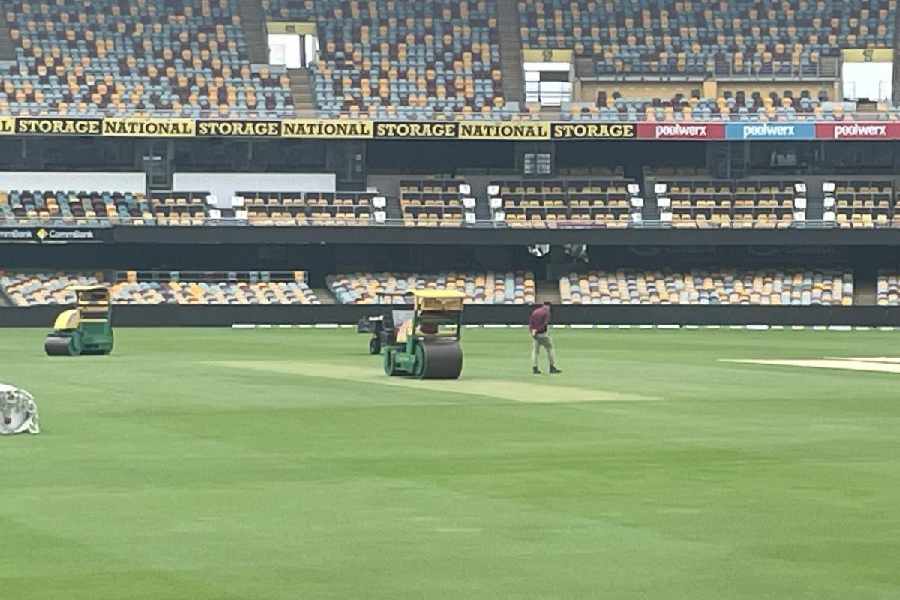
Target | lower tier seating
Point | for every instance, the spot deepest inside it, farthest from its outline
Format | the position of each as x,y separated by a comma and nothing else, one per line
888,291
393,288
794,287
29,289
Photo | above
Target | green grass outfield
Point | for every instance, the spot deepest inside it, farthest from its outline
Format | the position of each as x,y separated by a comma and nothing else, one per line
282,464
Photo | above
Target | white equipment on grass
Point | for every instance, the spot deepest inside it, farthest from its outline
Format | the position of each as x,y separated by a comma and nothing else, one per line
18,411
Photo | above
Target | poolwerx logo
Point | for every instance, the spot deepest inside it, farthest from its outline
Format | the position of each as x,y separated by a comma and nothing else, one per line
765,131
859,131
681,131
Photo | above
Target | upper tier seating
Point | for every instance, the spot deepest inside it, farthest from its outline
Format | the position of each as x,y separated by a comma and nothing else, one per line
731,105
92,57
565,203
403,58
693,38
394,288
794,287
698,203
29,289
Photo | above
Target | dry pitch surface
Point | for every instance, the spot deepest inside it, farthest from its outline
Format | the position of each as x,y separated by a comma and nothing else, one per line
283,464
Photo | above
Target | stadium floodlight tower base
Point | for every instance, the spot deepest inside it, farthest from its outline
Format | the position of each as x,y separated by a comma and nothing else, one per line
18,411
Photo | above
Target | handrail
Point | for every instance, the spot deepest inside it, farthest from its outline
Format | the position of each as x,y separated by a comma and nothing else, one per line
478,224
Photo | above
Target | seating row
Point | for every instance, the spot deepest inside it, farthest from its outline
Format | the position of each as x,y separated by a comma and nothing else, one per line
786,287
28,289
513,287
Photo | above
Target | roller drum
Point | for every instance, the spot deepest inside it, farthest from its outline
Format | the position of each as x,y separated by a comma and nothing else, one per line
59,346
441,359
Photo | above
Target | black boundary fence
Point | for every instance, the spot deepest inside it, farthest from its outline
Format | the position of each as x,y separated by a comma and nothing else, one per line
173,315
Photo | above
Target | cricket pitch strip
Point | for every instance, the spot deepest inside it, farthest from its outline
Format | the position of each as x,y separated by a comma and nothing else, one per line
872,365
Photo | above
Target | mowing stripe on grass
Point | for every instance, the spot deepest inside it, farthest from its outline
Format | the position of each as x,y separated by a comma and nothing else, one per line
514,391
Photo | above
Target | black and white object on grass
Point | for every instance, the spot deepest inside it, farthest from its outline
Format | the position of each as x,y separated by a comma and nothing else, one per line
18,411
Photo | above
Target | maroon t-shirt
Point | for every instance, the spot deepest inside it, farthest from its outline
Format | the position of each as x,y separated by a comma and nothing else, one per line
540,319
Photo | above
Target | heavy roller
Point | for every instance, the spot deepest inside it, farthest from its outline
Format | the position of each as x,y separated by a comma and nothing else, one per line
427,345
86,329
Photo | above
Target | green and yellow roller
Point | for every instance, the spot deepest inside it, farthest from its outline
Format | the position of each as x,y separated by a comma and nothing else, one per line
86,329
427,346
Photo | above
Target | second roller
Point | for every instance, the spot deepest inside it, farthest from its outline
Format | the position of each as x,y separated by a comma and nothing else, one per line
428,345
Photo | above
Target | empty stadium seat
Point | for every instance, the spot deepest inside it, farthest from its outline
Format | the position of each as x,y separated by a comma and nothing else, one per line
784,287
394,288
30,289
104,57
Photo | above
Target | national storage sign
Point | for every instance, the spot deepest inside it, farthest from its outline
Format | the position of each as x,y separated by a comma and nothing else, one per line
524,130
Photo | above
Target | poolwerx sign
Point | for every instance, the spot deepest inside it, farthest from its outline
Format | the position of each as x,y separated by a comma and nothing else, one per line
362,129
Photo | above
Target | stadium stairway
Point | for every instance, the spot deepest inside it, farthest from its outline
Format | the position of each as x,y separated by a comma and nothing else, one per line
325,296
393,209
865,286
253,23
896,89
302,90
511,51
7,48
547,291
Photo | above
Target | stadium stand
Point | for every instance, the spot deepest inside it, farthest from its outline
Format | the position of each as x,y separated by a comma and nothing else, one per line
795,287
436,203
888,288
859,204
74,207
387,59
152,57
179,208
391,288
695,39
559,203
741,204
310,208
30,289
737,105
